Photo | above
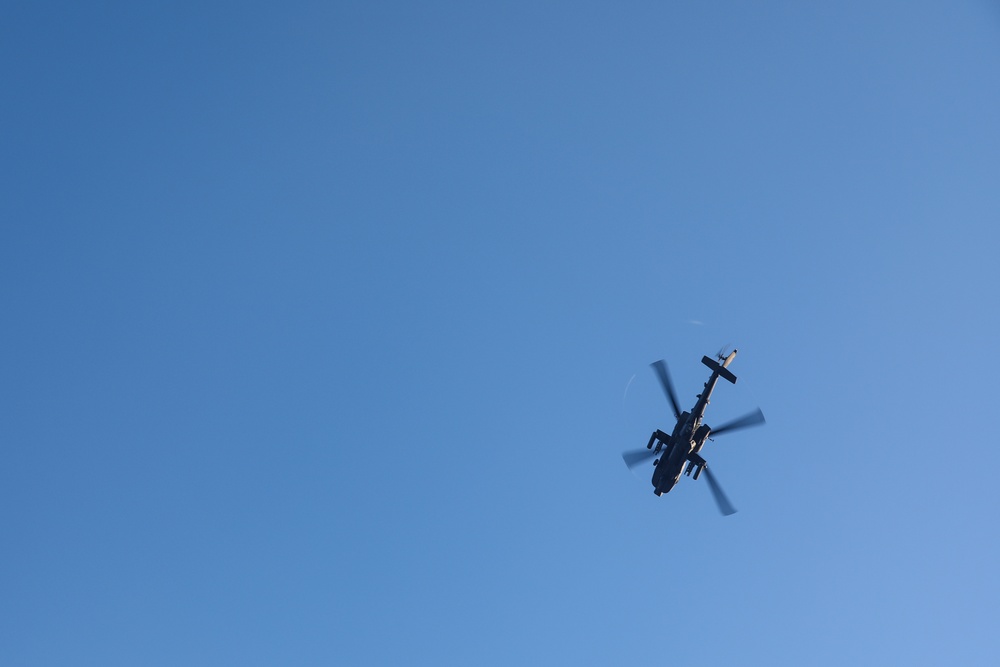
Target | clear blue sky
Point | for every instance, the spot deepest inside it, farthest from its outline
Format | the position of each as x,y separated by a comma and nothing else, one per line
317,322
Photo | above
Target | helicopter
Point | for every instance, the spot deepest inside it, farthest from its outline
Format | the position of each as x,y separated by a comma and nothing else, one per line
680,448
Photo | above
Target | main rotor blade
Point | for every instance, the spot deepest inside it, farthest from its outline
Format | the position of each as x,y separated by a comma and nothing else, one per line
668,387
725,506
747,420
636,457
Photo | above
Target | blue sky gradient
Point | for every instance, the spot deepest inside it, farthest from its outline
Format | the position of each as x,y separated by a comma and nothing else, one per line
325,324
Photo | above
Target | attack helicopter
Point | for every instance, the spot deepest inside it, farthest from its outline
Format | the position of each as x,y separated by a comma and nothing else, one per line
680,448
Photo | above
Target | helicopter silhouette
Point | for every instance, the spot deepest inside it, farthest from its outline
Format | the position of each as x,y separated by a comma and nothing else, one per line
680,448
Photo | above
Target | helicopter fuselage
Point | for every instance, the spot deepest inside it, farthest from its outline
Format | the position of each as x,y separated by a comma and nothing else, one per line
681,448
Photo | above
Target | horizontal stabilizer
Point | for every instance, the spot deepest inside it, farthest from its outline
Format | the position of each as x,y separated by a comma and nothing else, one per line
718,368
